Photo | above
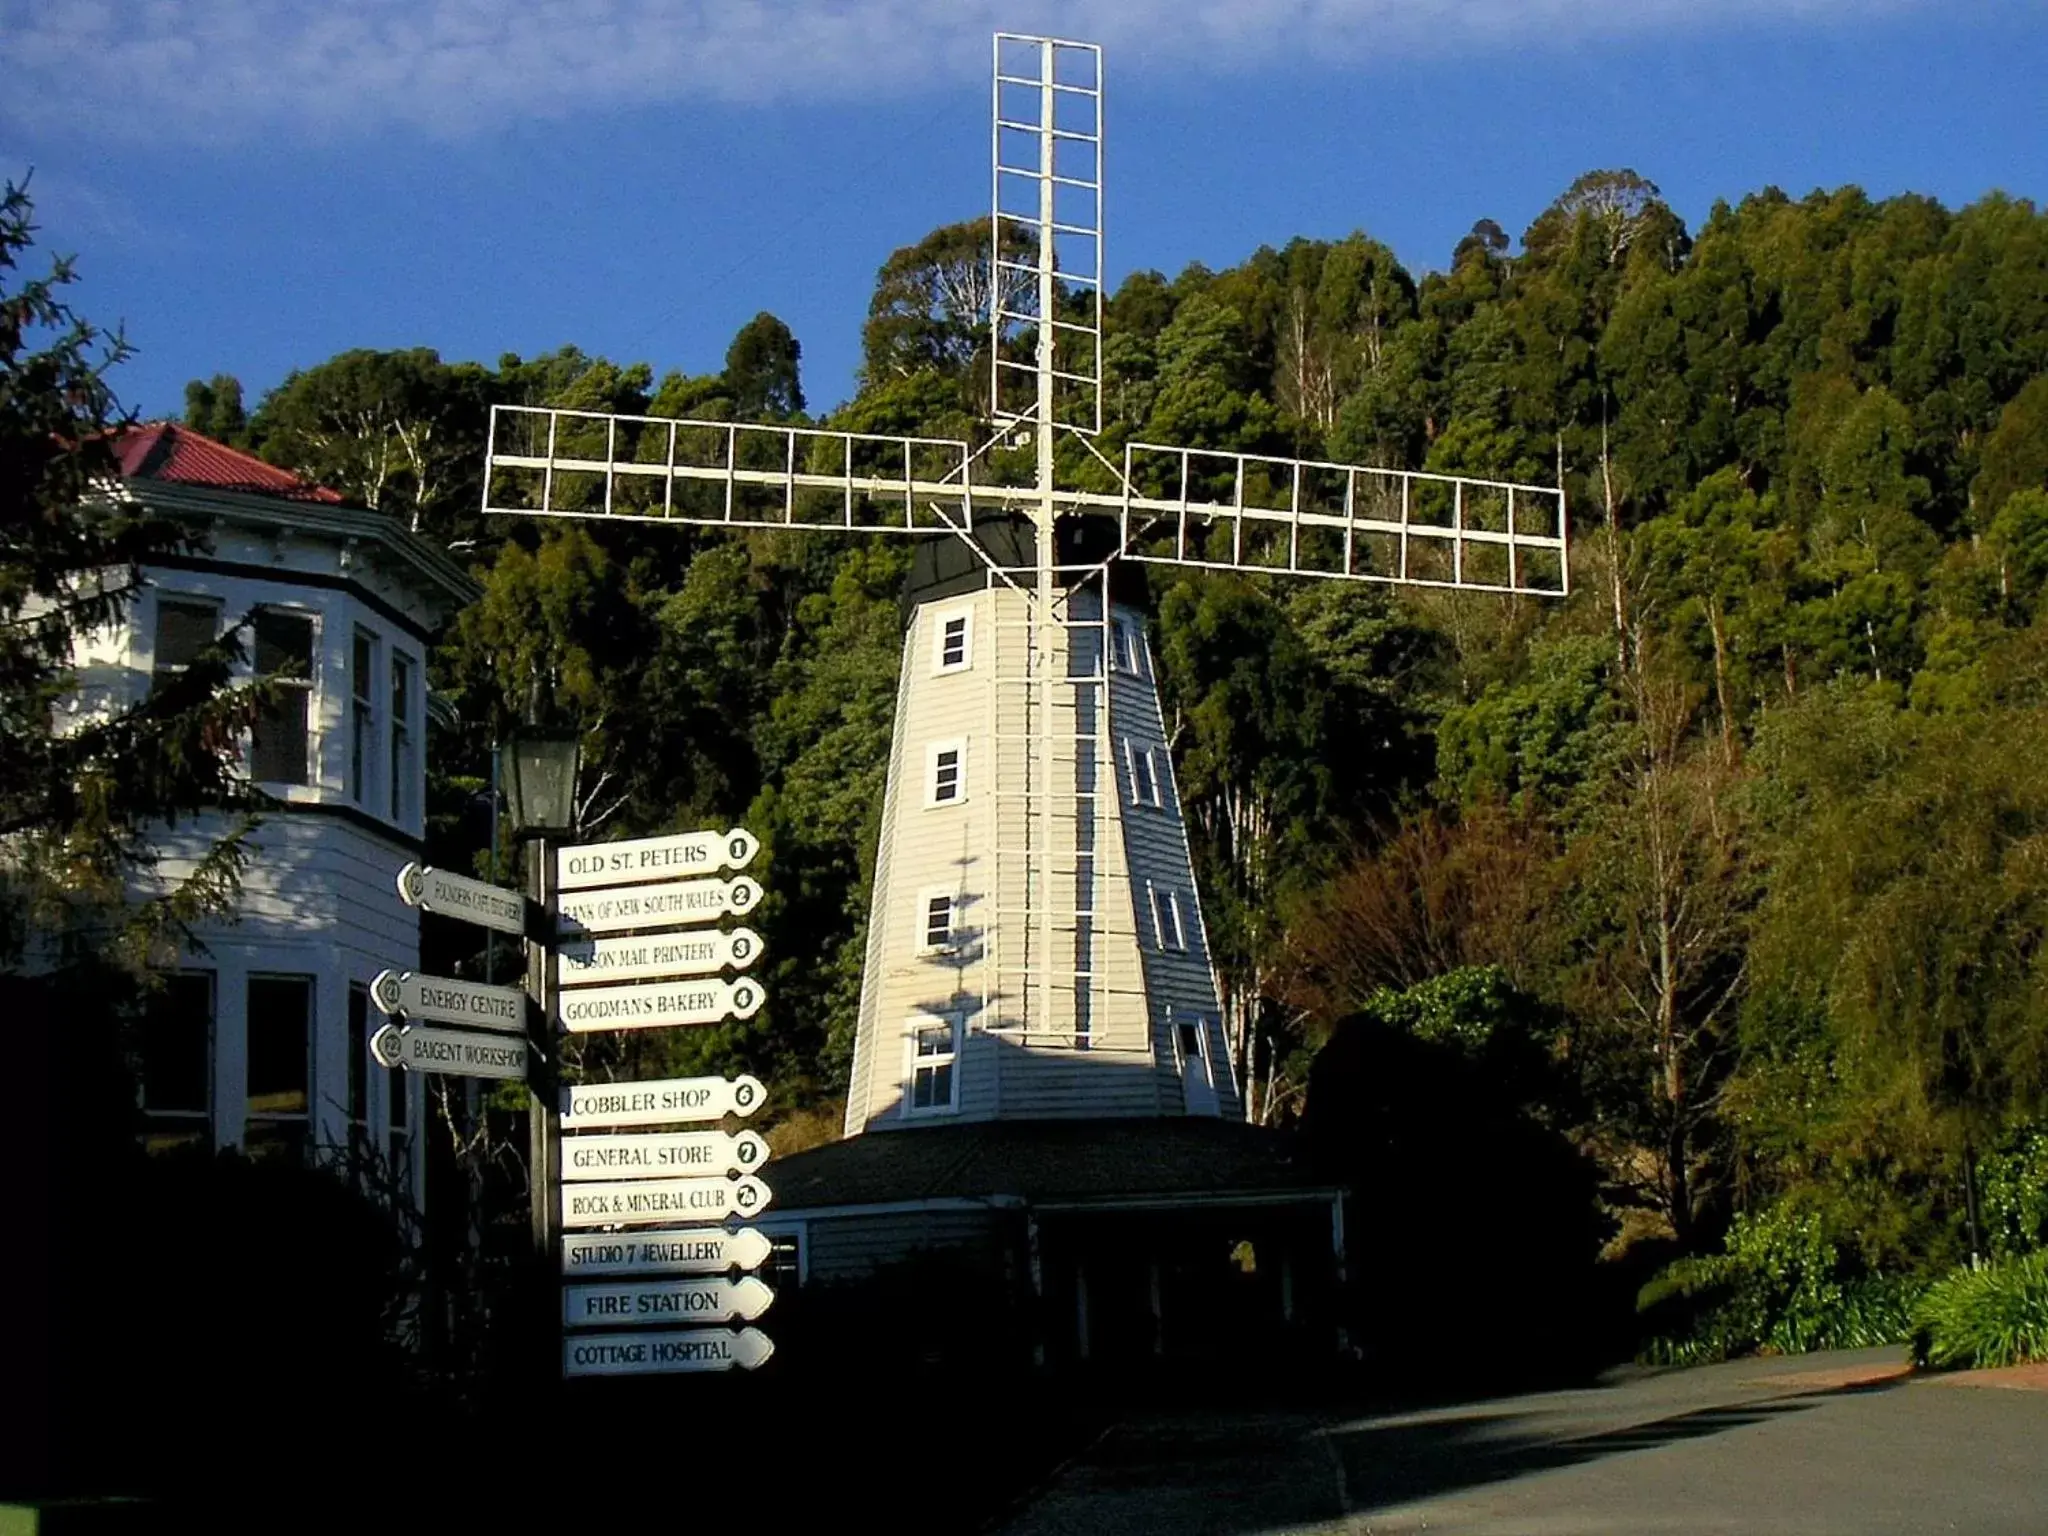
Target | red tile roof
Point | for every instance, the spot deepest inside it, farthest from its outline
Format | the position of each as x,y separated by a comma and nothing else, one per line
162,450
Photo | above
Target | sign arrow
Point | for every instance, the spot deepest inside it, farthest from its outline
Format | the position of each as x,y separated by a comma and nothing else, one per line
658,1004
648,1354
643,1202
666,1301
687,1251
675,904
661,1156
668,1101
590,865
704,952
450,1001
452,895
454,1051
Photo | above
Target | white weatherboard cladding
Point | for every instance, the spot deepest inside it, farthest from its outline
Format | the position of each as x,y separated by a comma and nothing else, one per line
653,1354
646,1201
591,865
666,1101
672,904
687,1251
1129,1067
661,1155
696,952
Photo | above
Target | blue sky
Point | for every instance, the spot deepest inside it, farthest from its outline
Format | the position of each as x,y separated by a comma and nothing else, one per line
253,185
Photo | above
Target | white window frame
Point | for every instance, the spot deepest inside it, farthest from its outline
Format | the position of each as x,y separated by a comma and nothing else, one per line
1126,647
932,752
1171,939
1178,1021
916,1024
313,701
965,618
925,898
1133,755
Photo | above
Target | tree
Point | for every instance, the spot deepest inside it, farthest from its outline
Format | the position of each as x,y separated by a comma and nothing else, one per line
399,432
81,792
213,408
761,371
933,301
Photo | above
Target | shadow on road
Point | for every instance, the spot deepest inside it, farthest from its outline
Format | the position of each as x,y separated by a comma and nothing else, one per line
1401,1461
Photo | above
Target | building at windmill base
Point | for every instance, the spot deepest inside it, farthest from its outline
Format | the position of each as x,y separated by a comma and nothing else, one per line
1043,1124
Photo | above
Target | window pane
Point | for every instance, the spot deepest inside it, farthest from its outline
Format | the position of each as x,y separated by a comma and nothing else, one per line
183,630
278,739
938,921
280,1010
177,1046
284,644
936,1040
395,1088
1190,1042
362,676
358,1053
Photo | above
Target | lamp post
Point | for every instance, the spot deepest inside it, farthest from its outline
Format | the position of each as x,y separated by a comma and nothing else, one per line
538,773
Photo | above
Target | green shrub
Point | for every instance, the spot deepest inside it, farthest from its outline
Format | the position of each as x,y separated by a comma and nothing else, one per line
1997,1315
2014,1194
1781,1286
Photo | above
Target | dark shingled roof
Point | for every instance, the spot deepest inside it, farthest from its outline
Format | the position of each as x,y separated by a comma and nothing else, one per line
1045,1161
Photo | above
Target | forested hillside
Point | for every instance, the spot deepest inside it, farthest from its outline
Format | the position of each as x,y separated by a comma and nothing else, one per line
1750,836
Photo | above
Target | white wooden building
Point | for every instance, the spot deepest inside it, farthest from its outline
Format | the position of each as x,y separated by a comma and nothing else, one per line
259,1042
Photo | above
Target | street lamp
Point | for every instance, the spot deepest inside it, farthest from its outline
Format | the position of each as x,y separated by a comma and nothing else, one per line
538,769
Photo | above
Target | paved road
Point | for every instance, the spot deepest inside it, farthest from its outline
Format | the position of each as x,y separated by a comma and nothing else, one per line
1823,1445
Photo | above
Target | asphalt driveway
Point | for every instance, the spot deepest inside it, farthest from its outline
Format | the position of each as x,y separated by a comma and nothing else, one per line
1842,1443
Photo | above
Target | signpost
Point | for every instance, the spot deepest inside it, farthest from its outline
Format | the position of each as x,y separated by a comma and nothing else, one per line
665,1301
689,1251
661,1155
454,1051
703,952
642,1202
452,895
668,1101
450,1001
647,1354
656,1005
653,858
674,904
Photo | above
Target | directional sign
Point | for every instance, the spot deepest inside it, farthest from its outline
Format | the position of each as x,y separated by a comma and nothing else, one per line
666,1301
646,1201
676,904
452,1002
454,1051
653,858
452,895
668,1101
657,1004
661,1155
689,1251
704,952
647,1354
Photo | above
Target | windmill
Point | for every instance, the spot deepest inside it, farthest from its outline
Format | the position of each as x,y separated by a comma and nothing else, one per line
1035,944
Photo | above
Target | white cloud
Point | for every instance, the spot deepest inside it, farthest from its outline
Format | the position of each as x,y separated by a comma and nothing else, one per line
230,69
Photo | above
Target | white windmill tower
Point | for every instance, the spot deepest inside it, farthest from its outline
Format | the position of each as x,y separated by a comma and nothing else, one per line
1035,944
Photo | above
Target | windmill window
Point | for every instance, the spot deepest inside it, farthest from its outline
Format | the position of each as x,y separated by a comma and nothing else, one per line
953,644
1143,772
1128,648
1166,924
935,912
934,1048
946,773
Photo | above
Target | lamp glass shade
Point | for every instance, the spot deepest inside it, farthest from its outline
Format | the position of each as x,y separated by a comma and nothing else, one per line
539,774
